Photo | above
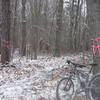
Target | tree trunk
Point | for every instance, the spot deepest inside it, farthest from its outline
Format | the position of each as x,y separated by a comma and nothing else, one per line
36,13
5,52
0,23
36,17
70,42
15,34
58,28
23,49
94,9
75,27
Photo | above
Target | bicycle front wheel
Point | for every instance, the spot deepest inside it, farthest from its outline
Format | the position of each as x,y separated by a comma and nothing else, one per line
93,92
65,89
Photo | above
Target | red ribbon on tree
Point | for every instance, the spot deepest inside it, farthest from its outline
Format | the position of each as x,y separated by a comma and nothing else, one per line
96,45
6,44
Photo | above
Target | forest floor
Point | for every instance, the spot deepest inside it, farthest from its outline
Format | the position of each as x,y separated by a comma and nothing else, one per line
34,79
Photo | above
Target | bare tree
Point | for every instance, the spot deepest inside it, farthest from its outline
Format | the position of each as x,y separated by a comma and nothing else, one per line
15,34
5,52
23,49
70,43
93,7
59,23
36,8
58,28
0,23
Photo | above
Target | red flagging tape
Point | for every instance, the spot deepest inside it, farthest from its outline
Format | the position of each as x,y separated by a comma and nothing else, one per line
95,45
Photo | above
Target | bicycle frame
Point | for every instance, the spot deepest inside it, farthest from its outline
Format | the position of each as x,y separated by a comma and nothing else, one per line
78,73
84,84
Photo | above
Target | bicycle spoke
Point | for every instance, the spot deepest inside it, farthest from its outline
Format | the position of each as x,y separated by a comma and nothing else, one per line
65,89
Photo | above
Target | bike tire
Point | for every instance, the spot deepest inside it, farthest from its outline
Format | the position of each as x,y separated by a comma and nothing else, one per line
71,85
93,92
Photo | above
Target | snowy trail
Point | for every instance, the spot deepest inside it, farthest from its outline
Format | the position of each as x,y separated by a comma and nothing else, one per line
32,79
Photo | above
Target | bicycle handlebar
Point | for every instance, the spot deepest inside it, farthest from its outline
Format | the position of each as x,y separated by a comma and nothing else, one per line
76,65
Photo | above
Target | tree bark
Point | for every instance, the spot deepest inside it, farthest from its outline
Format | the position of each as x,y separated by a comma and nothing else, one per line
0,23
5,52
94,11
23,49
58,28
36,13
70,42
15,34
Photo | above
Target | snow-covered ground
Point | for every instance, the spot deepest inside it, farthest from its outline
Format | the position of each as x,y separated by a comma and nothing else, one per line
33,79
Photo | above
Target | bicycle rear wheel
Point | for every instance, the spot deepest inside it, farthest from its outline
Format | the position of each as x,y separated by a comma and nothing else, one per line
93,92
65,89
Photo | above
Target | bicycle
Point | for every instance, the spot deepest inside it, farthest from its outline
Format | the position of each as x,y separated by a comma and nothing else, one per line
91,87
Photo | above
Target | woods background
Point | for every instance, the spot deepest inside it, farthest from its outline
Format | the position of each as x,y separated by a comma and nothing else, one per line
47,26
